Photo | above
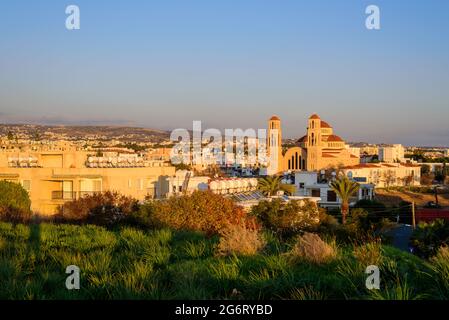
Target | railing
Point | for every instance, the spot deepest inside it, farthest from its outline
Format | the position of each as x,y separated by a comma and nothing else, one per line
71,195
63,195
87,193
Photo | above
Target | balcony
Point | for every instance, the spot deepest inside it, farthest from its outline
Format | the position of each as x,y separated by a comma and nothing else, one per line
83,194
71,195
63,195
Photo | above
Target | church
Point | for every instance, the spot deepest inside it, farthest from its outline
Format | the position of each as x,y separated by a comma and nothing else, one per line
319,149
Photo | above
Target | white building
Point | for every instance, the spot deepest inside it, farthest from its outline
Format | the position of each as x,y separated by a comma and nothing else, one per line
384,175
446,153
394,153
353,150
308,185
186,182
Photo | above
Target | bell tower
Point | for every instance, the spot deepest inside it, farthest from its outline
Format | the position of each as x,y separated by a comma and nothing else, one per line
274,145
313,143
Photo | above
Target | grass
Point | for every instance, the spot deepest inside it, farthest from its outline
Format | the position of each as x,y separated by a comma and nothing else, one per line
129,263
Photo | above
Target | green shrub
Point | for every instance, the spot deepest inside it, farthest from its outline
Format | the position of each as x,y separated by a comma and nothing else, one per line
287,218
362,226
369,253
14,202
429,237
105,209
375,209
440,268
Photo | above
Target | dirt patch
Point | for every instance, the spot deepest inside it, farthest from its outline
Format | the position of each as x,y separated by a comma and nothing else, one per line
393,198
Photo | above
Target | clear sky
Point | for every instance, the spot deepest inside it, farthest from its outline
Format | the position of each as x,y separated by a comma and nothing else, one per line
230,63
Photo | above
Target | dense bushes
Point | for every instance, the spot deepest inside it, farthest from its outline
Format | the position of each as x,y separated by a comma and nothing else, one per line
104,209
14,202
201,211
287,218
361,226
429,237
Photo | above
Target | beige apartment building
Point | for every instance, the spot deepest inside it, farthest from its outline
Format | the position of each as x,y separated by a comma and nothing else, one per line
384,175
52,178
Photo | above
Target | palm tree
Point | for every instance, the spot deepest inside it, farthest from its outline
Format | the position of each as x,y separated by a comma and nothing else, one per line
345,189
270,186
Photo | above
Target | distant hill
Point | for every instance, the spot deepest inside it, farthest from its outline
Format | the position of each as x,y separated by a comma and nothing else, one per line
134,134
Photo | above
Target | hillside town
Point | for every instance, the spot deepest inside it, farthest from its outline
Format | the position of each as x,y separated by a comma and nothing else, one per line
60,164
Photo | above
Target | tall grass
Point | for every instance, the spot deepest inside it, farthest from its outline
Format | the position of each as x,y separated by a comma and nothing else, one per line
129,263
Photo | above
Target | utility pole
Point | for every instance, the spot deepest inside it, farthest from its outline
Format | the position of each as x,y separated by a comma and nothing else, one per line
436,195
413,215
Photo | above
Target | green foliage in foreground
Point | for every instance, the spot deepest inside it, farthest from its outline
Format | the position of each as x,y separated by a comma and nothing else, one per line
129,263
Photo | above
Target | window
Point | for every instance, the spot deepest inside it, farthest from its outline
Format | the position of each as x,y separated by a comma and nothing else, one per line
26,184
296,161
316,193
140,184
301,185
331,196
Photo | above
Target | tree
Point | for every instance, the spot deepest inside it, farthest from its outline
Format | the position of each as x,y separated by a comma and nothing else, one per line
440,176
213,171
106,209
10,135
270,186
389,178
444,171
287,218
201,211
345,189
408,180
182,166
425,169
14,202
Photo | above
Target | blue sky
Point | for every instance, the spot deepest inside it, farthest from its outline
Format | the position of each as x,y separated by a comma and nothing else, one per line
233,63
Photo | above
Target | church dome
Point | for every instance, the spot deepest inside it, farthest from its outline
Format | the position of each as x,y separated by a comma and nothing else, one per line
302,139
334,138
275,118
324,124
314,116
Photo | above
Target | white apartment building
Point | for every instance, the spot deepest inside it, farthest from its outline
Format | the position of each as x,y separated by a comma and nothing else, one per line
384,175
390,154
353,150
307,185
